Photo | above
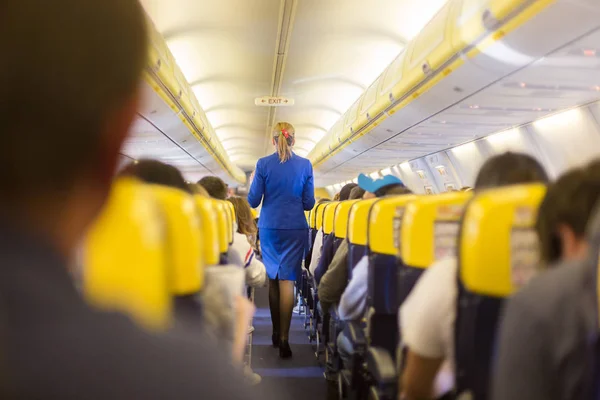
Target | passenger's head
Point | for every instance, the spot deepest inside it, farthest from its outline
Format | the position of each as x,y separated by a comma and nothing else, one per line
384,186
323,200
336,197
357,193
216,188
466,189
510,169
564,213
198,189
153,171
243,214
345,192
69,91
283,139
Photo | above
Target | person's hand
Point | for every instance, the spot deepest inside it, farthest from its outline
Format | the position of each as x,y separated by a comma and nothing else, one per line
251,176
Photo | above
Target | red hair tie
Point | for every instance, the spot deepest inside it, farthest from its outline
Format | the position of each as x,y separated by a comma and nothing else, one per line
285,133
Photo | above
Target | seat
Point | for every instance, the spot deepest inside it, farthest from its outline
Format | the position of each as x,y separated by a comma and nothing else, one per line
125,254
358,219
497,253
425,231
223,229
185,261
209,224
340,221
382,290
232,220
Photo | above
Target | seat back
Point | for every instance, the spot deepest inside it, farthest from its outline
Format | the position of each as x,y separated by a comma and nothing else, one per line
497,254
185,262
232,220
124,256
223,230
340,220
320,213
209,225
384,218
329,217
428,232
358,220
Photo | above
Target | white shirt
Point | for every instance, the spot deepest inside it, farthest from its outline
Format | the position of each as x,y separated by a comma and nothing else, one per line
316,253
256,274
426,319
353,303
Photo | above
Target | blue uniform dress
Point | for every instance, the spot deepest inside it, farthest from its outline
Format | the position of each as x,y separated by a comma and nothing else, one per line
286,191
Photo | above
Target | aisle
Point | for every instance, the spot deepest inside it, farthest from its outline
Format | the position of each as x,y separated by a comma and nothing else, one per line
300,377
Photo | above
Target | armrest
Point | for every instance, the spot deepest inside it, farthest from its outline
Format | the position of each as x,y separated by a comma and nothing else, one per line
354,331
381,366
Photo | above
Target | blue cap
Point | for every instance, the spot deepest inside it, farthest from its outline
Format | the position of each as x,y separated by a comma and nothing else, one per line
371,185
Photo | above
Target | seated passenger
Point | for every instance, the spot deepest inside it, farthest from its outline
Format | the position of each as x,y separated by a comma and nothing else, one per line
244,241
563,216
70,87
426,319
357,193
547,339
323,258
216,188
198,189
352,296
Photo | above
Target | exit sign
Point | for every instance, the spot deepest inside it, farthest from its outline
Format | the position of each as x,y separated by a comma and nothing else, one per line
269,101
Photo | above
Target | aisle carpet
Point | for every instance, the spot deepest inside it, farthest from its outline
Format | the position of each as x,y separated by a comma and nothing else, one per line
300,377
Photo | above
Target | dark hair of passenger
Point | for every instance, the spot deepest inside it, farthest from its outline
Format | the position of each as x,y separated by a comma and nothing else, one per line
345,192
57,66
396,189
216,188
323,200
156,172
510,169
357,193
569,202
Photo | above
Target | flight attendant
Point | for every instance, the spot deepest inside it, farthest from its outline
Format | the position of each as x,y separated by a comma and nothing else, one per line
284,183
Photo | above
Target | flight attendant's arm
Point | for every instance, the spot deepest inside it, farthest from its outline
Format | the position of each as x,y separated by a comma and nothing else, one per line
257,187
308,195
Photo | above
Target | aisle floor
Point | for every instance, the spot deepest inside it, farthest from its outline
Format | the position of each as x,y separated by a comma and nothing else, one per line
300,377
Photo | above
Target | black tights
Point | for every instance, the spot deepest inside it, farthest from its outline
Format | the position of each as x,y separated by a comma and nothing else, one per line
281,303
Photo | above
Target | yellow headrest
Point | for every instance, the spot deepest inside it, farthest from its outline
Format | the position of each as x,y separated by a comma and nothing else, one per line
185,261
383,223
340,224
329,216
254,213
498,248
223,224
307,216
320,214
429,228
358,221
230,220
209,226
125,256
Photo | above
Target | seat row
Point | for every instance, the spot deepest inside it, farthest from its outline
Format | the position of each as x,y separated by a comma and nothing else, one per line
151,245
491,235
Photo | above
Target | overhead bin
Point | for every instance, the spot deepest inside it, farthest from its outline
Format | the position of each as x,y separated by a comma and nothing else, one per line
167,80
466,47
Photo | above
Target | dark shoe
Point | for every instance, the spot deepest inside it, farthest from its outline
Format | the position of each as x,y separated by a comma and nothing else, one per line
284,349
275,339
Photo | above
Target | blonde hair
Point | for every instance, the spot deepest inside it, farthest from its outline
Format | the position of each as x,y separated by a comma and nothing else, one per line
243,214
284,144
336,197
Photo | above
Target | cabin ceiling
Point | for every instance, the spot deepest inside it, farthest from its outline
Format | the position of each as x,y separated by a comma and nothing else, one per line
321,53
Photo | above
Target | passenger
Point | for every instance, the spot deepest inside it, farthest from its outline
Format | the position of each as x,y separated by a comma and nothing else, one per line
69,92
335,288
243,242
344,194
466,189
563,216
154,171
317,246
357,193
426,319
216,188
198,189
284,183
336,197
547,341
